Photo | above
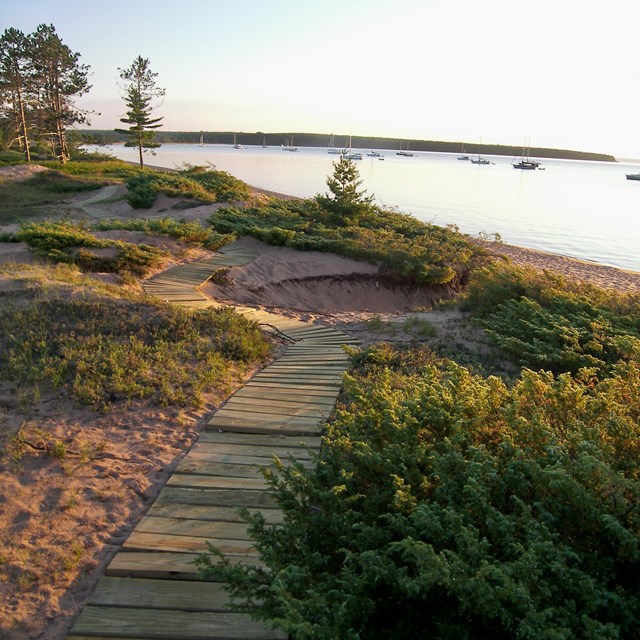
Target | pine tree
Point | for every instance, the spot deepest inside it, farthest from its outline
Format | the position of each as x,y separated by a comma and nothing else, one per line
15,77
346,202
59,77
140,90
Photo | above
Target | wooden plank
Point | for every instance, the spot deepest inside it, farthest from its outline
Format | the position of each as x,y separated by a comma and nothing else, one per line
232,418
165,565
310,391
185,595
216,482
247,461
208,513
273,410
261,440
279,403
215,468
197,528
297,380
142,541
308,368
218,497
156,624
256,450
326,401
253,426
206,467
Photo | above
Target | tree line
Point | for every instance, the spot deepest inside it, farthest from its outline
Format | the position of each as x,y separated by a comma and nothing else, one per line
40,79
276,138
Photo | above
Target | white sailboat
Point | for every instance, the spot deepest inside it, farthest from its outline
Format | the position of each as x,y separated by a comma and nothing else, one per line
332,146
349,154
525,163
480,159
236,145
406,153
463,155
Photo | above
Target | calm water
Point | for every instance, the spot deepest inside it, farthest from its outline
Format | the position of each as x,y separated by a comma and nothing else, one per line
587,210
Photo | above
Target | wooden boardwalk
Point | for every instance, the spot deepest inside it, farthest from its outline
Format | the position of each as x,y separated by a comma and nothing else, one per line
150,590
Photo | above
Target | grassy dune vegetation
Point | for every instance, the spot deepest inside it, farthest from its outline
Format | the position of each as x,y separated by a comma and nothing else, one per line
98,346
404,246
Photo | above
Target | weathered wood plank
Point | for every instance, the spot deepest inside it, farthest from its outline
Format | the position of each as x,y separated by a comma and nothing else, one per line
216,482
205,467
142,541
208,513
280,403
272,411
163,565
156,624
160,594
256,450
263,419
218,497
308,390
258,426
261,440
197,528
247,461
255,394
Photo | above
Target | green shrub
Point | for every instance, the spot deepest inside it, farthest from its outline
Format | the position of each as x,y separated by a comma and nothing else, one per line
141,195
59,182
547,322
101,349
192,232
447,505
403,246
8,157
195,183
46,238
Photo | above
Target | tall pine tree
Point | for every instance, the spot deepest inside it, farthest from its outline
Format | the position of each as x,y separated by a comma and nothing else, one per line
16,86
140,91
59,78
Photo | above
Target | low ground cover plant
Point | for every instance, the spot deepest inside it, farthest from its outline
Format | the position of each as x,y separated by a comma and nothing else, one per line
71,243
406,247
546,322
101,348
197,183
191,232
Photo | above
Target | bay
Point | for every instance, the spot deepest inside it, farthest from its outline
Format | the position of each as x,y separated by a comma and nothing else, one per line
586,210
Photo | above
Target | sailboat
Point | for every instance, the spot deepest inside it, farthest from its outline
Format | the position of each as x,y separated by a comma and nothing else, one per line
405,153
236,145
480,159
462,155
332,146
525,163
349,154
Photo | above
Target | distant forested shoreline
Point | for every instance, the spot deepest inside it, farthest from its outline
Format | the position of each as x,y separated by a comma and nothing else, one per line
96,136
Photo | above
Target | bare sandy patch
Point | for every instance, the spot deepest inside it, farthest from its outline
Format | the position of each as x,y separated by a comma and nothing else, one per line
580,270
312,281
20,171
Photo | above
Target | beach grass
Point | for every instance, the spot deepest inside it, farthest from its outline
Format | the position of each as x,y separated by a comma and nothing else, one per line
100,347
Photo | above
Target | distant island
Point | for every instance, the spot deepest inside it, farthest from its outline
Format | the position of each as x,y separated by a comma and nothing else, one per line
96,136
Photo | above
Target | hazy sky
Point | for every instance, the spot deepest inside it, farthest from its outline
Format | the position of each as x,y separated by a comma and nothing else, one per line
562,72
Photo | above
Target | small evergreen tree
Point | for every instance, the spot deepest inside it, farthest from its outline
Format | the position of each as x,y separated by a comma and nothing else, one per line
346,202
140,91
